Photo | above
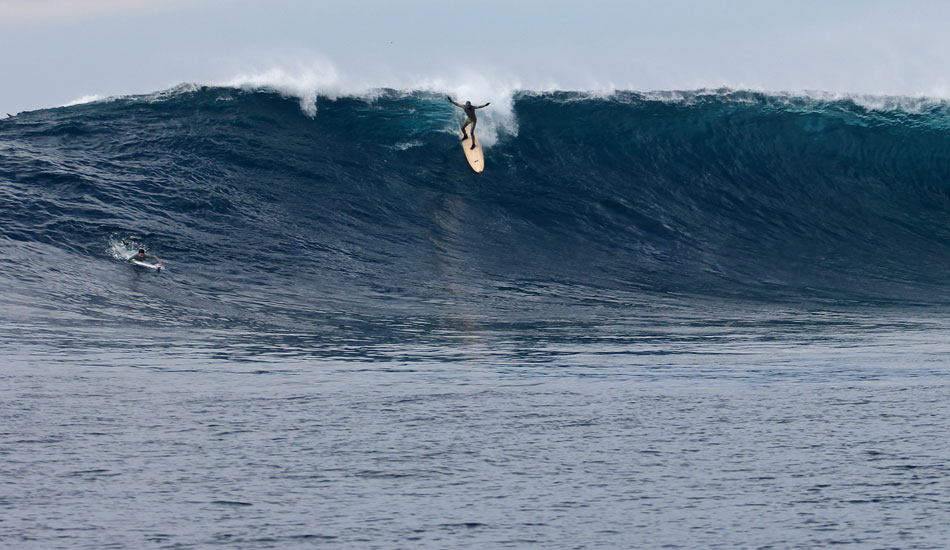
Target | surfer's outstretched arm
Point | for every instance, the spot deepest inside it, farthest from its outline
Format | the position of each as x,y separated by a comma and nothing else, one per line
454,103
483,106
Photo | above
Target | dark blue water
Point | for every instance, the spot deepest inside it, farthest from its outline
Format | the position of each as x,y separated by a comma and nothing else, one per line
683,320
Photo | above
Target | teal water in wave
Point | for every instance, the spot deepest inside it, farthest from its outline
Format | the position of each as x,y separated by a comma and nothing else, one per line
710,319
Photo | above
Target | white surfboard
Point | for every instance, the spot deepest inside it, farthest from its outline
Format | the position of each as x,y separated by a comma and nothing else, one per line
475,157
156,267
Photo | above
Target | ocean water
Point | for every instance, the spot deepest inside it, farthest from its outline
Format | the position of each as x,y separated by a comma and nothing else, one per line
705,319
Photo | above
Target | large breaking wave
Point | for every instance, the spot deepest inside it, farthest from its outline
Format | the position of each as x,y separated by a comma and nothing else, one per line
265,212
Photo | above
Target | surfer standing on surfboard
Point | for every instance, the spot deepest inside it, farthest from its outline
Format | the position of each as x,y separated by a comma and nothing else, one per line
470,117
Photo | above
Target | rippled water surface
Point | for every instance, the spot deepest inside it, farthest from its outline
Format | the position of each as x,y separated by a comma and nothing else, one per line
825,431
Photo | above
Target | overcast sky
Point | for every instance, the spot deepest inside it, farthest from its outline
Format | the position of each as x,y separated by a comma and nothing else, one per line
56,51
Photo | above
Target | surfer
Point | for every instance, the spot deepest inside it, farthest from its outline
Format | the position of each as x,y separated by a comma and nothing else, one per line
143,257
470,117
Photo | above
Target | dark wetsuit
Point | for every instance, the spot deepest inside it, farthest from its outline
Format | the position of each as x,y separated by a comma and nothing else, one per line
470,118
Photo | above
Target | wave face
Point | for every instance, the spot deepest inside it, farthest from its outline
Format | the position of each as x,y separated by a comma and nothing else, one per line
267,216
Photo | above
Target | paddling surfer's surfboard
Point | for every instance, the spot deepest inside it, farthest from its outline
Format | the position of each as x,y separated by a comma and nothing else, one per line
155,266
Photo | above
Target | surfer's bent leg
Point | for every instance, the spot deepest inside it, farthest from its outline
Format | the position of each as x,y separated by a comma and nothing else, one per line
464,124
473,134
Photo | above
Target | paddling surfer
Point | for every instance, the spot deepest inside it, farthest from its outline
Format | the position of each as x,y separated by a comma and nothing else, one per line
143,257
470,117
